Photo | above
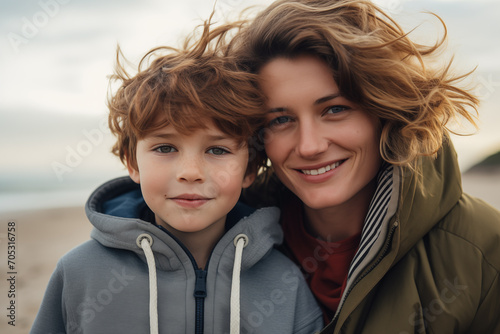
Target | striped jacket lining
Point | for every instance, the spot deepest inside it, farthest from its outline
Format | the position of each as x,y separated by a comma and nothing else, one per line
375,226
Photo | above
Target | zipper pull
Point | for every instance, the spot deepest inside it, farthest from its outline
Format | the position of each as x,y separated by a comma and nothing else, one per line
200,286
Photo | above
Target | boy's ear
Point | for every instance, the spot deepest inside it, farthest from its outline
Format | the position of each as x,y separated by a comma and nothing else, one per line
248,179
134,173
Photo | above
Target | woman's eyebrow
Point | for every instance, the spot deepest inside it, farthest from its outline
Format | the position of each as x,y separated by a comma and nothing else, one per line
279,109
318,101
326,98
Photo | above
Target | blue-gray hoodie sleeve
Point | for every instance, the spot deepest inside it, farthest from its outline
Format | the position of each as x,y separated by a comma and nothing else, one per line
309,317
49,319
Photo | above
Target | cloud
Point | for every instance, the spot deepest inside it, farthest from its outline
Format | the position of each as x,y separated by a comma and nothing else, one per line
62,62
59,69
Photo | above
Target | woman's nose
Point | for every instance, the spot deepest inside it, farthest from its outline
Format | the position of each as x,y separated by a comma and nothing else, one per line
311,142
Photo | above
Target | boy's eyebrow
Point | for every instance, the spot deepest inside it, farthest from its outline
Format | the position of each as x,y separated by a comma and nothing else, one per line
317,102
167,135
161,135
219,137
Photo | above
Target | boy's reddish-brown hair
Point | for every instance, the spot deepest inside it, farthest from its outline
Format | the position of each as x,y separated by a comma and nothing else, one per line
186,88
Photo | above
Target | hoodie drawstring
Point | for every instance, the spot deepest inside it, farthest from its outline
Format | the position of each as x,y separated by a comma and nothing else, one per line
240,241
145,241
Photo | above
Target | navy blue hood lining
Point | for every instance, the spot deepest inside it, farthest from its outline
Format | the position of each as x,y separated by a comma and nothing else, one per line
123,198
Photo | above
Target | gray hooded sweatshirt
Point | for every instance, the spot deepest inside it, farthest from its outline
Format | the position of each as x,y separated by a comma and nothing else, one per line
107,285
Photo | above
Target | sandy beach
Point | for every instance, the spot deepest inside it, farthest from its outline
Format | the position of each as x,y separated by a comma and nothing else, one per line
43,236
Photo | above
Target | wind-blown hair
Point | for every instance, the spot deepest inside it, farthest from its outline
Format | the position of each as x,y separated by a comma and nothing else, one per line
375,64
187,88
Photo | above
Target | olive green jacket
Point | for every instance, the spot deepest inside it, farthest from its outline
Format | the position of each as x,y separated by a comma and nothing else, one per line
434,267
437,269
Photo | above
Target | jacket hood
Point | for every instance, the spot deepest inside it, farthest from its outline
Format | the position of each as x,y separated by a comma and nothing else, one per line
115,210
102,285
425,199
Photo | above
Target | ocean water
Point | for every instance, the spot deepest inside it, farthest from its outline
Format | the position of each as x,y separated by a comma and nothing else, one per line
29,192
12,202
52,160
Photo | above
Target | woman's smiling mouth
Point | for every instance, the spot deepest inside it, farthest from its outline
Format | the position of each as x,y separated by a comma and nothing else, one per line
322,170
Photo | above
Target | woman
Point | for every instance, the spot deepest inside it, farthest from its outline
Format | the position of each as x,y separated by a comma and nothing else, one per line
365,173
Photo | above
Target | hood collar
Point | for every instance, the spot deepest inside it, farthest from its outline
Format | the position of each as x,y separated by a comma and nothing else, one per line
425,199
115,210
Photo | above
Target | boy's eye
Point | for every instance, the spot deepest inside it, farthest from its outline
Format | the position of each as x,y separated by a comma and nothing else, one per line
279,120
217,151
165,149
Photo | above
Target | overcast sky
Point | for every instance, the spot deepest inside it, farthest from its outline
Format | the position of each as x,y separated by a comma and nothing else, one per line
56,53
55,56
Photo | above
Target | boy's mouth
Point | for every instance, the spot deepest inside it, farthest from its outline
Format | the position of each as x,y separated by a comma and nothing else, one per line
190,200
190,197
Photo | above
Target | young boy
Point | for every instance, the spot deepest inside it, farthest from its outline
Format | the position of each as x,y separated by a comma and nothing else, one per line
171,249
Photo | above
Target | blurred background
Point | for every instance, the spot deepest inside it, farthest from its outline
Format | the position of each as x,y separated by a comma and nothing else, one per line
55,57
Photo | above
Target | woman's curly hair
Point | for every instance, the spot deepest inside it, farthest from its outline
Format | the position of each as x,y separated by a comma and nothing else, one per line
375,64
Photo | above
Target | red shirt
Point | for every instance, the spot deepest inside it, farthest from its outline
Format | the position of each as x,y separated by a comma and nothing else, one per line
324,263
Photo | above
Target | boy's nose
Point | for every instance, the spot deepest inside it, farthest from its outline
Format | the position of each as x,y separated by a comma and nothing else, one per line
190,169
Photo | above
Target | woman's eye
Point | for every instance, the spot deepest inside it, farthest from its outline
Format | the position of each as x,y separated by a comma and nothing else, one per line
165,149
279,120
217,151
335,109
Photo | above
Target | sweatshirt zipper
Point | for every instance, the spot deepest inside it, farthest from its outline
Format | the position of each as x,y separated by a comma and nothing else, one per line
379,259
200,285
200,292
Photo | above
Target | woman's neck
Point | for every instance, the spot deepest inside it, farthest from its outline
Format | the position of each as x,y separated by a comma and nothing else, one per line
340,222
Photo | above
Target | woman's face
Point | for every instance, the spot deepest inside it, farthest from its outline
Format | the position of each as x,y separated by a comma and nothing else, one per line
322,146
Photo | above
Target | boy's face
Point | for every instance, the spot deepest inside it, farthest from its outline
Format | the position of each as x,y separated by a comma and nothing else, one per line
191,181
